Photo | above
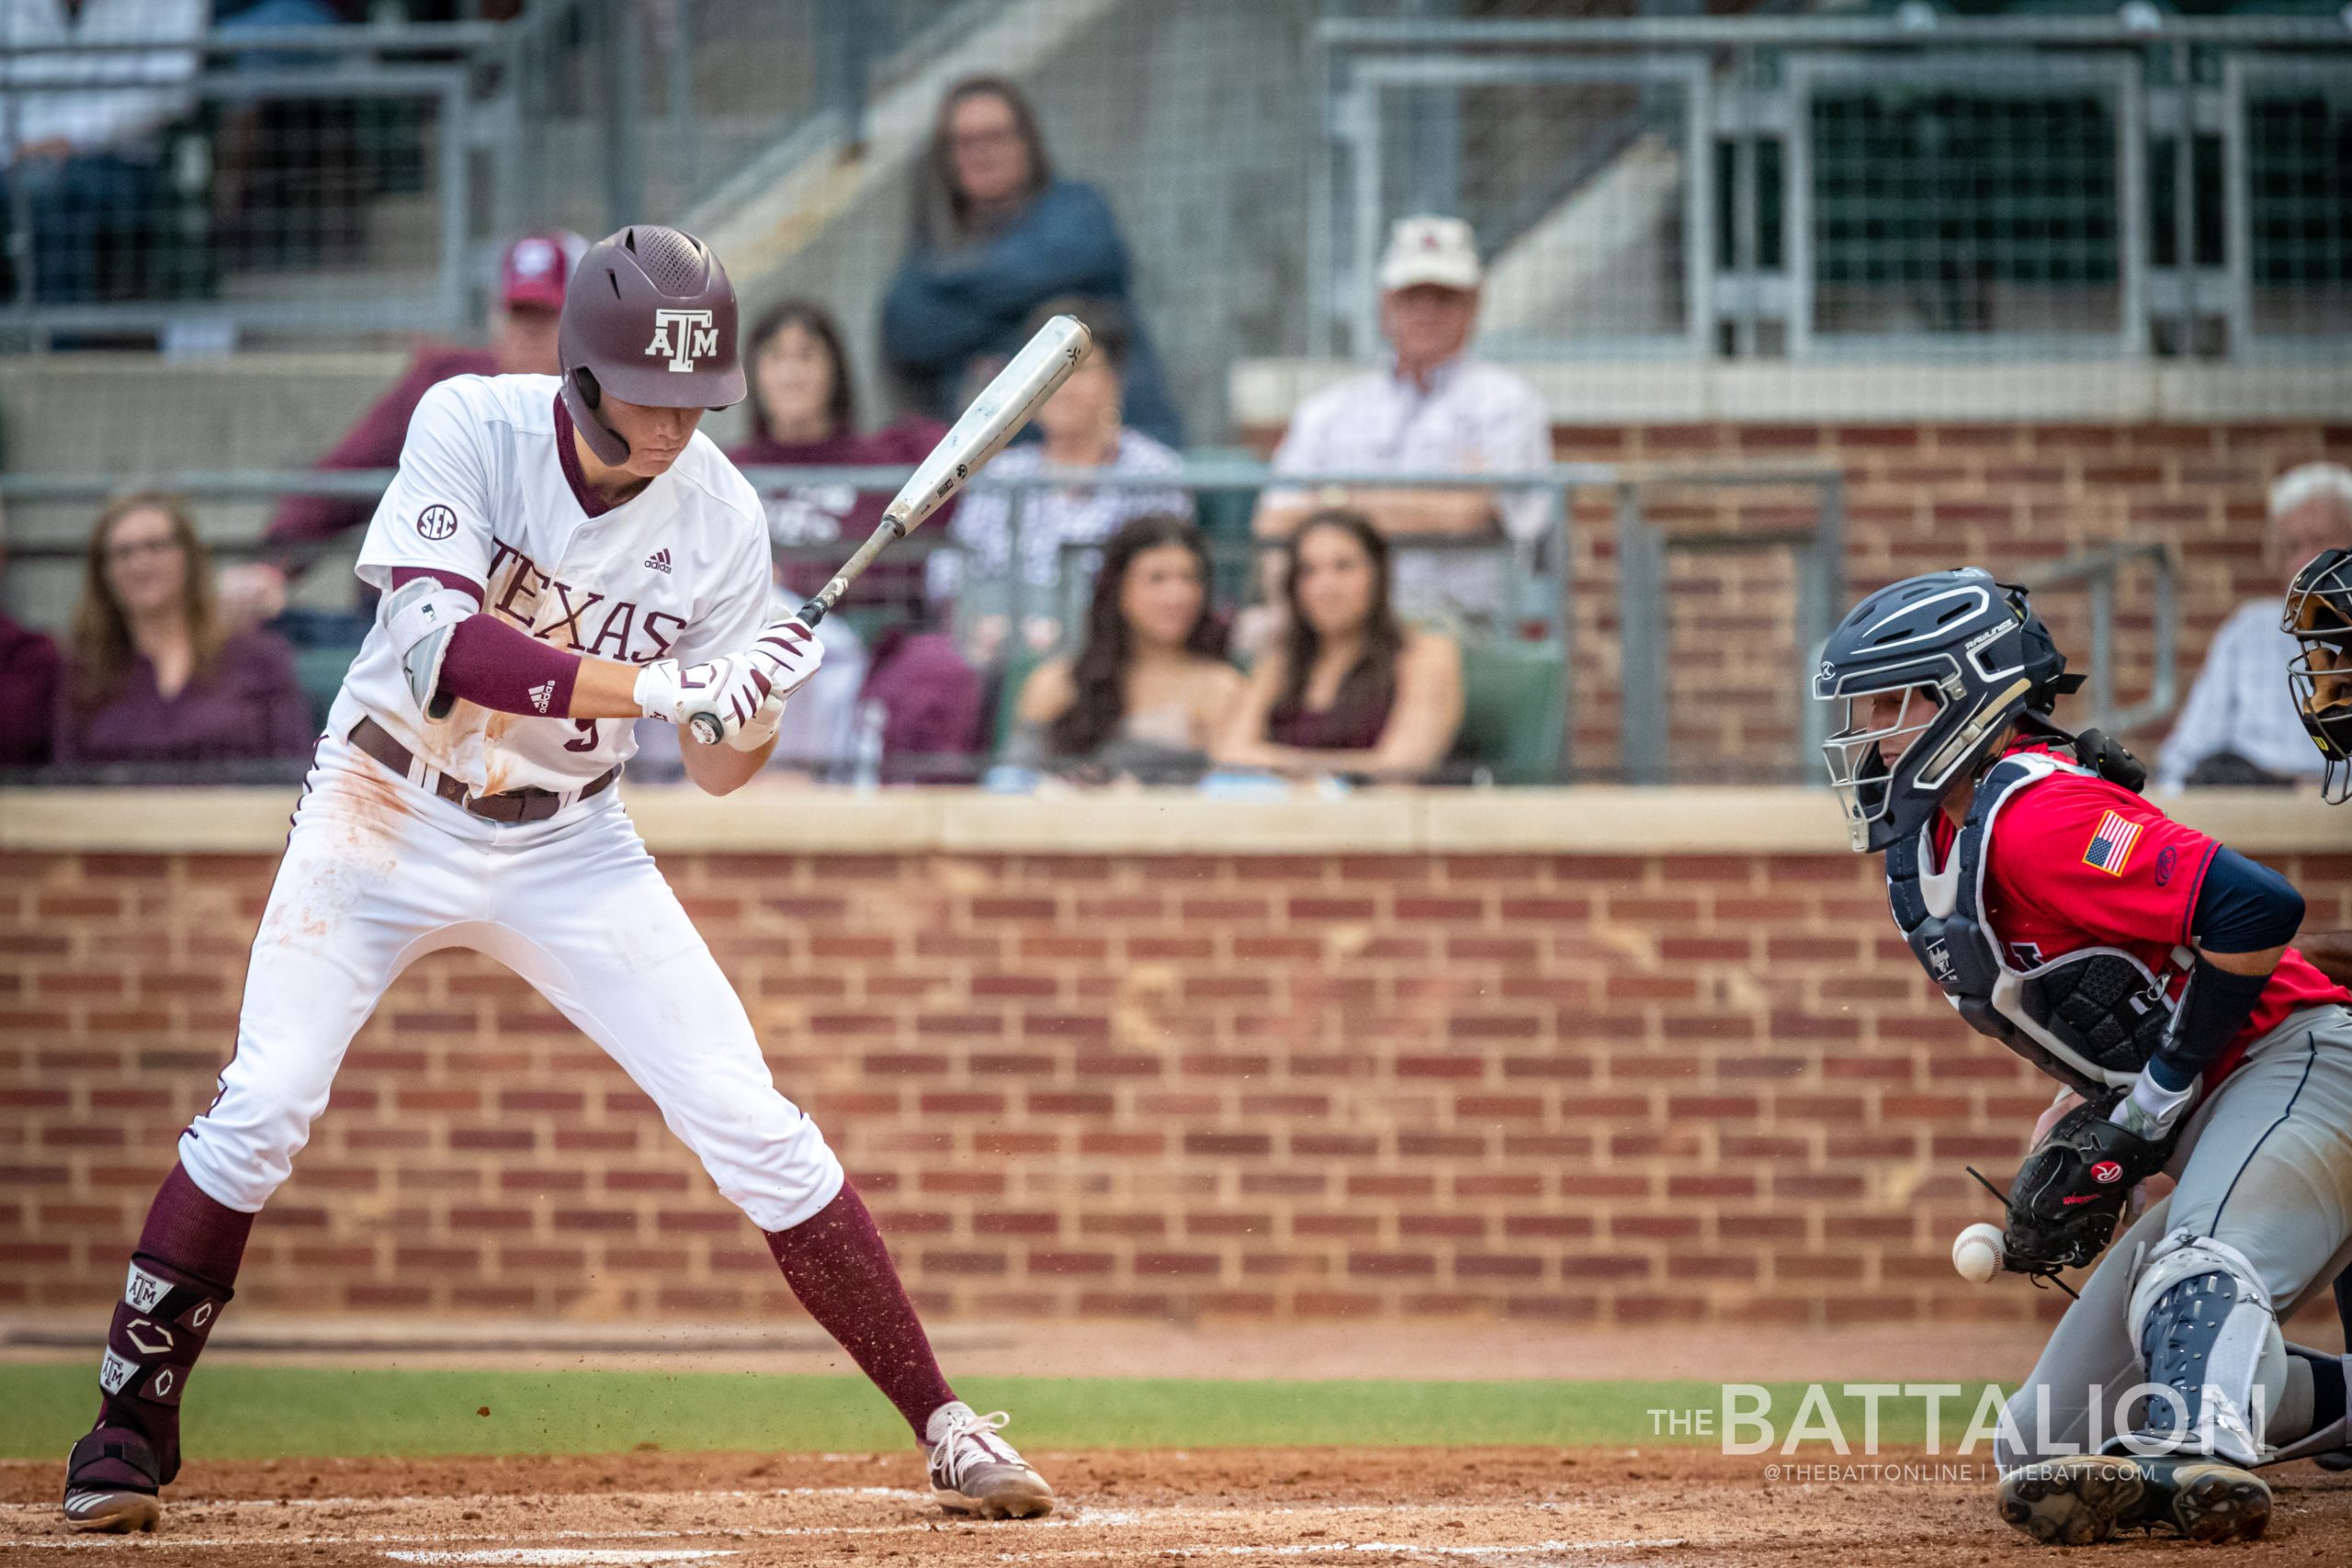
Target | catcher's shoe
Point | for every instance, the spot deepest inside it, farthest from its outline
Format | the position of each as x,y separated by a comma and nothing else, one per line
110,1483
2086,1498
973,1470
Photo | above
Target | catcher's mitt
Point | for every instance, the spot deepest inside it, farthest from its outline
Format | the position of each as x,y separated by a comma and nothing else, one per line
2072,1189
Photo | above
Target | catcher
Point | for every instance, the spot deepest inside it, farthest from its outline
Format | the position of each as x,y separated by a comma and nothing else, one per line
2147,967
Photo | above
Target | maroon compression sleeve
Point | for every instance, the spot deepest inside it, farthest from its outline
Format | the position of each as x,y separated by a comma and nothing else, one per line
504,668
497,666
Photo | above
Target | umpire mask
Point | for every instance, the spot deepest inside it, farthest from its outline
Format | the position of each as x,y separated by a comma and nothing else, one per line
2319,617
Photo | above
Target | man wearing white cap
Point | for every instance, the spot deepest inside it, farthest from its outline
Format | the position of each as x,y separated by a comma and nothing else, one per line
1434,410
2240,725
532,273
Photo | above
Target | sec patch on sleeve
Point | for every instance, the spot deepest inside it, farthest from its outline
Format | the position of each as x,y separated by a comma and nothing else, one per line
436,522
2111,842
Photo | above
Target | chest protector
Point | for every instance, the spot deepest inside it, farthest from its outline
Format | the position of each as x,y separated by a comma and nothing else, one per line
2091,1019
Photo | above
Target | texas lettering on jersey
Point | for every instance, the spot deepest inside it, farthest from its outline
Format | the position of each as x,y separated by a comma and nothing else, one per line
578,620
679,570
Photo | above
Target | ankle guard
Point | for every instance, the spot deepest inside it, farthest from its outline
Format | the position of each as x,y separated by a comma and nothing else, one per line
159,1327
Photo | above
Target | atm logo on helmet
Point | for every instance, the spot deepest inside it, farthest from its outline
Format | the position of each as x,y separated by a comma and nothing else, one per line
685,336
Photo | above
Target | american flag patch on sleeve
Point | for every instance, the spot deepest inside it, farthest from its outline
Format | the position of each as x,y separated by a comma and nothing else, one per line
2110,847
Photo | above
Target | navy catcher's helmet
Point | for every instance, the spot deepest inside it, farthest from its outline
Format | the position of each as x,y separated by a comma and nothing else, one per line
2319,617
1967,657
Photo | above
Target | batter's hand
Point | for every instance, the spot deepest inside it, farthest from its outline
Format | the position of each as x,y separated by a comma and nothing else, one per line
729,693
760,730
788,653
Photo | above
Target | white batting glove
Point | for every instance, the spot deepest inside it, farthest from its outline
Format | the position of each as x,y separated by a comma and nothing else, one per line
759,730
729,691
787,652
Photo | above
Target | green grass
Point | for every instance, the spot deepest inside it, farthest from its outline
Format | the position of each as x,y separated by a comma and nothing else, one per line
259,1412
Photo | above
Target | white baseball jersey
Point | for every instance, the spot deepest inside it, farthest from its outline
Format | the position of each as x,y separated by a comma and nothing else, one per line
680,570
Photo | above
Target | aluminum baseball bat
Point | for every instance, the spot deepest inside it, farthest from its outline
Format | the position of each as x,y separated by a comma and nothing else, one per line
996,417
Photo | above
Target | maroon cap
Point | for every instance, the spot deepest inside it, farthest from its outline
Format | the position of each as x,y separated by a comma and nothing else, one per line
650,319
534,268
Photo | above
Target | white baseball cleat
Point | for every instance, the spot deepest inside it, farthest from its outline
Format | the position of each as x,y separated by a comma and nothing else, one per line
110,1483
973,1470
113,1512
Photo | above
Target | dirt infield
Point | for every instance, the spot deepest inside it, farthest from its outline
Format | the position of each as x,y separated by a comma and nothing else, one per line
1503,1506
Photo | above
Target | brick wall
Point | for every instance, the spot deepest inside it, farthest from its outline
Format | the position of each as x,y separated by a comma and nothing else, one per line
1918,497
1568,1087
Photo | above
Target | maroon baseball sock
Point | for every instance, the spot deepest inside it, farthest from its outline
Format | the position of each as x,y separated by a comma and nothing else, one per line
180,1278
836,1264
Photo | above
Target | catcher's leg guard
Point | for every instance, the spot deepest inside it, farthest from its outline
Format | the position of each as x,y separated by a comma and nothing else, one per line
2209,1340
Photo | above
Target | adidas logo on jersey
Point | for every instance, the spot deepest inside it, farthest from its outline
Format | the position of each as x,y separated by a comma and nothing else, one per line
542,695
659,559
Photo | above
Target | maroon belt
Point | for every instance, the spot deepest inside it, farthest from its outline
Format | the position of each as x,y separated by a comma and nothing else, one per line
529,804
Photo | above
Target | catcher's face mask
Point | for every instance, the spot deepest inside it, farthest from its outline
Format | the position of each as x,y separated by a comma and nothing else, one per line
1880,727
2319,617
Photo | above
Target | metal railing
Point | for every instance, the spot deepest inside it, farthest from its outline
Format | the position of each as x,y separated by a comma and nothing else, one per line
1538,594
244,196
2099,571
2133,184
335,181
1645,624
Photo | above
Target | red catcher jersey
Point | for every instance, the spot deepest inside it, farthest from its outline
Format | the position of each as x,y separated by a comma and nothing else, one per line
2078,862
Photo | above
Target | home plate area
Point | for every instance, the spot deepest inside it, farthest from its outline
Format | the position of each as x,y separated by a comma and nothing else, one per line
1504,1506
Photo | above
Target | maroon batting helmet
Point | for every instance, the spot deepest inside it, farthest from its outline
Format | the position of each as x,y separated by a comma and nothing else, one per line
649,318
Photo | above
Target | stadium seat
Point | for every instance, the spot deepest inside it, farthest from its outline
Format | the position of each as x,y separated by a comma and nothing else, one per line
1514,710
320,671
1016,673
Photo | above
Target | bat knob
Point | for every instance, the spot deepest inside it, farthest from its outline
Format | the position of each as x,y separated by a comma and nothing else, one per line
707,729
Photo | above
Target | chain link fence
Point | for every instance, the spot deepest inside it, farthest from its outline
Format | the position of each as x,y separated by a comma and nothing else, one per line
246,185
1898,185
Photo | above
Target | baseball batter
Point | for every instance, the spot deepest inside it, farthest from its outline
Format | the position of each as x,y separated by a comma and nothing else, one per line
2147,967
559,556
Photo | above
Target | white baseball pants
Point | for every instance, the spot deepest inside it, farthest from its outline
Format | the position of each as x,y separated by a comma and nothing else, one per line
378,872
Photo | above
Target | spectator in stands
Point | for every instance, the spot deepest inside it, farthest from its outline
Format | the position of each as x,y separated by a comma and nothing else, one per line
1433,410
1083,426
995,235
1150,691
531,279
2239,724
155,676
1352,690
804,414
932,705
85,161
29,666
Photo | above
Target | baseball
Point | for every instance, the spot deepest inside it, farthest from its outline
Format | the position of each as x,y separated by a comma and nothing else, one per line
1976,1253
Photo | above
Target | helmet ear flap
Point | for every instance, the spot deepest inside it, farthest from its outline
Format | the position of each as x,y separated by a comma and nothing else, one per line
2039,658
581,397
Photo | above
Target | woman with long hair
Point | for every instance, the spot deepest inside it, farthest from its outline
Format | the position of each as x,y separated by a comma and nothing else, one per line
1149,689
155,676
995,234
1351,688
1081,426
804,415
